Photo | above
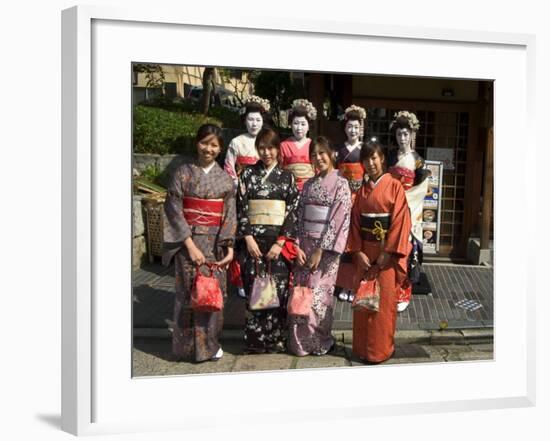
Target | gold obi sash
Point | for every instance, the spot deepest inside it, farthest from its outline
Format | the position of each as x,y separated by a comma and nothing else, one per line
315,218
302,170
374,226
266,211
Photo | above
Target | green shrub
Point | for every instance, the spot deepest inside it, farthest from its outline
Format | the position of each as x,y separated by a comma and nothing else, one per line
162,131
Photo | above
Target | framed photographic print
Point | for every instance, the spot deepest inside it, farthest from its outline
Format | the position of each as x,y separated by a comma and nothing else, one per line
107,53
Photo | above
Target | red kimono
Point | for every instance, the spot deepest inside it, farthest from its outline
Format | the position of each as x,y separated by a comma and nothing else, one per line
380,221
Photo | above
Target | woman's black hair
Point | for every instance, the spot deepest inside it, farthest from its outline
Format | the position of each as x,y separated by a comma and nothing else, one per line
370,148
297,112
324,143
207,130
268,136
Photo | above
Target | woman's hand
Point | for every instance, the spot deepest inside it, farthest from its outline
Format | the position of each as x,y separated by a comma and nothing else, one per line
300,256
252,247
196,255
362,261
224,263
383,259
274,251
315,259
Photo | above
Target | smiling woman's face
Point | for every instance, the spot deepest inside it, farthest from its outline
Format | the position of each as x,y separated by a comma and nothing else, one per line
321,159
374,165
268,154
208,148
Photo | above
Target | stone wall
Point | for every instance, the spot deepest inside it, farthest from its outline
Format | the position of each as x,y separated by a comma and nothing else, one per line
139,242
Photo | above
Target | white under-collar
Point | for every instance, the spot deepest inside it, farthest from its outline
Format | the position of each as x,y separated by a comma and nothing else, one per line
351,148
207,169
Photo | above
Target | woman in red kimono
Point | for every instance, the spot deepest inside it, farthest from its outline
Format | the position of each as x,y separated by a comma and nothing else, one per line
295,150
379,240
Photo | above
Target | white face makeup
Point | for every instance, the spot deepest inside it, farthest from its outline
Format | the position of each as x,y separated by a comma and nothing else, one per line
353,130
254,122
300,127
403,138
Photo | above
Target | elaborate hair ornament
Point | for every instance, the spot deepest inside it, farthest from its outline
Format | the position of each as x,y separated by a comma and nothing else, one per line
305,104
353,108
414,124
254,99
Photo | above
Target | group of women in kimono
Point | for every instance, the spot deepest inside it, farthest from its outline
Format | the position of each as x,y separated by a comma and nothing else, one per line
305,212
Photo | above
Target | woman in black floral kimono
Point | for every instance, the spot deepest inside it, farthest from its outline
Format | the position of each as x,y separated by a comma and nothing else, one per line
199,227
267,200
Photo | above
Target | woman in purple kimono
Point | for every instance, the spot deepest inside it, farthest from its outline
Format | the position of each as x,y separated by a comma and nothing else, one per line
322,232
199,228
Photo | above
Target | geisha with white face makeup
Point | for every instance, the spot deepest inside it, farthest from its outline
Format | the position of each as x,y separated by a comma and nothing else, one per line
407,166
300,127
295,149
241,151
350,166
254,122
353,131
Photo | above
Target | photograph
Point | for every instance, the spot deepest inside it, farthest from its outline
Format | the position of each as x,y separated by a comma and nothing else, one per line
286,219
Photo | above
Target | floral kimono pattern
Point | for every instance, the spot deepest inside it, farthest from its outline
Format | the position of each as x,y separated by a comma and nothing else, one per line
312,334
195,334
265,330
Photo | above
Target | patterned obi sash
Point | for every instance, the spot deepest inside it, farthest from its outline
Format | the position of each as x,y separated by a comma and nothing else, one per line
375,226
352,171
300,167
246,160
266,211
315,218
405,175
203,212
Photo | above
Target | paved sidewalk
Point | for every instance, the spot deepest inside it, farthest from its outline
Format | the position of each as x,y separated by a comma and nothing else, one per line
452,285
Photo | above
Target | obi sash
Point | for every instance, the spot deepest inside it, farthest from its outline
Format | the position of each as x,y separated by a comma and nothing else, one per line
266,211
300,167
405,175
315,218
352,171
374,226
246,160
203,212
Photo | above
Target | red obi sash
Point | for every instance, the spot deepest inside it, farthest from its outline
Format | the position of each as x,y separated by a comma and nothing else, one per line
352,171
404,175
203,212
246,160
297,160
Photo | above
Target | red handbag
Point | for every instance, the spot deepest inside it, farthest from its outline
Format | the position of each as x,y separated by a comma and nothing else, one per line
368,294
300,300
206,295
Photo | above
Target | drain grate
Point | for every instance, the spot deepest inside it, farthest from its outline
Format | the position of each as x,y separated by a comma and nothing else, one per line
468,305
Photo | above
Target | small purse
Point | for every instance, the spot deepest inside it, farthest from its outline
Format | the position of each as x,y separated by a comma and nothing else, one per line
300,300
206,295
264,291
368,295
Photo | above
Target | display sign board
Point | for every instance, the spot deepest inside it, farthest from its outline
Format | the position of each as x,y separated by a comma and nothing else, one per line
431,212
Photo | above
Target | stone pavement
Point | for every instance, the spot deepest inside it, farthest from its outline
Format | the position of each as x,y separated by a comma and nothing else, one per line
453,322
152,357
153,296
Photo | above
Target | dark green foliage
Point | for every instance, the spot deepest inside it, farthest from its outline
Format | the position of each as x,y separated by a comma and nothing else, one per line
163,131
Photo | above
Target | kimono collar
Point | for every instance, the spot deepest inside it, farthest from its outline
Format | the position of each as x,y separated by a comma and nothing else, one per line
372,183
207,169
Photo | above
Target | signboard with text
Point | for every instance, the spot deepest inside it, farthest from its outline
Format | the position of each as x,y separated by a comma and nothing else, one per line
431,212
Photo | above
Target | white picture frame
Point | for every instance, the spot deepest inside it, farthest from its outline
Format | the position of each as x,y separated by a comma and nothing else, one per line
99,395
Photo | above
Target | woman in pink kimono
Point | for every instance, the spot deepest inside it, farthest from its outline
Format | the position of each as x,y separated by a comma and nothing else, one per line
322,232
295,150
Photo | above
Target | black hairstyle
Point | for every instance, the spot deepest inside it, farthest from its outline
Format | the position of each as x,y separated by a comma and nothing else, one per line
297,112
207,130
371,147
268,136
